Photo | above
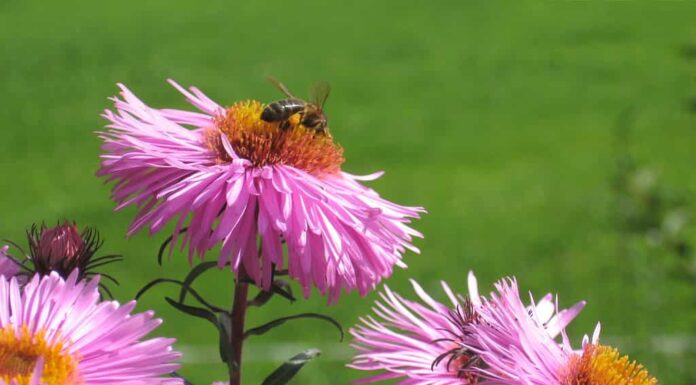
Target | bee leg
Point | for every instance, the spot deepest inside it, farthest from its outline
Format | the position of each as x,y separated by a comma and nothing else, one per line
284,125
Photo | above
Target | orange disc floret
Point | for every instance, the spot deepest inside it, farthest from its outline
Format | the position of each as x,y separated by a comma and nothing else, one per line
604,365
265,143
20,353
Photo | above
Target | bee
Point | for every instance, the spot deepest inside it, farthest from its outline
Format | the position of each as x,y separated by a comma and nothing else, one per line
311,113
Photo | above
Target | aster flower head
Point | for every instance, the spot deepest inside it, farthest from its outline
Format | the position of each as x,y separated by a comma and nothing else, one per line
59,243
518,347
62,249
224,177
423,343
57,332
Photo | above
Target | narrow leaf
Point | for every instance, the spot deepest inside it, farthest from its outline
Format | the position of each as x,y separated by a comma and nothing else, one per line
261,298
195,294
279,287
277,322
283,289
224,323
165,244
150,285
288,370
194,311
192,275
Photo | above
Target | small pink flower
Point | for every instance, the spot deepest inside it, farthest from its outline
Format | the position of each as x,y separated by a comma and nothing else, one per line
423,343
226,177
57,332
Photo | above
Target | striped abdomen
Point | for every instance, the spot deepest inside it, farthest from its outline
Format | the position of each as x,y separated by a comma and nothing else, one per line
282,110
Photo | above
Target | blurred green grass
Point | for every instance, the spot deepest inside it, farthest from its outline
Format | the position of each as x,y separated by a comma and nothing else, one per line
497,117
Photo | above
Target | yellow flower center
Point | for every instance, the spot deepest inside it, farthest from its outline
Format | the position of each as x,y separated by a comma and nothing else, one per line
603,365
265,143
19,355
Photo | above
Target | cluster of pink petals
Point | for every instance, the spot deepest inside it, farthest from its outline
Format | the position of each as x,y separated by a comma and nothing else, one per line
402,343
409,336
103,337
338,234
517,343
9,267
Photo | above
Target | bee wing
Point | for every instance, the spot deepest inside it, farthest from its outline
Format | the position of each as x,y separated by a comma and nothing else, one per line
319,93
281,87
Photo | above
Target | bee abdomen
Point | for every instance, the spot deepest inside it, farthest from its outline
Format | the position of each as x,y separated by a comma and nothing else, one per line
281,110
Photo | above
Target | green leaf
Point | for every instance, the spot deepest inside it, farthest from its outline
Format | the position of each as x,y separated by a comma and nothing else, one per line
261,298
192,275
198,297
165,244
152,284
279,287
277,322
283,289
224,323
194,311
288,370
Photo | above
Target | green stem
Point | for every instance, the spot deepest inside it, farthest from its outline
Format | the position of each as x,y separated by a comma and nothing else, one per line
239,307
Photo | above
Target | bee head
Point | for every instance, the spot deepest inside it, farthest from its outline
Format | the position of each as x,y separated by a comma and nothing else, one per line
314,119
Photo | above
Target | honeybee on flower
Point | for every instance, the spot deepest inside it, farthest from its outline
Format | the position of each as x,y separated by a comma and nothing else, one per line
226,176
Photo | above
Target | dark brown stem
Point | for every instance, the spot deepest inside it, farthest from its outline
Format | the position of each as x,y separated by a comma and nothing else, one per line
239,307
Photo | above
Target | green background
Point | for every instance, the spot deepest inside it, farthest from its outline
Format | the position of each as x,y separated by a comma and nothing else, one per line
498,117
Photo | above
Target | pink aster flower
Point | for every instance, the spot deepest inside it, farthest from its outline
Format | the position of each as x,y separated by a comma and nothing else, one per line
421,343
516,346
60,330
224,176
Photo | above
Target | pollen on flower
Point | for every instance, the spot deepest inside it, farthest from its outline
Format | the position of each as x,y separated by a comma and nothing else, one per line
463,362
265,143
603,365
20,353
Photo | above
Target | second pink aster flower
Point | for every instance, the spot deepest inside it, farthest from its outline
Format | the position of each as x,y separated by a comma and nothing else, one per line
224,176
424,343
516,348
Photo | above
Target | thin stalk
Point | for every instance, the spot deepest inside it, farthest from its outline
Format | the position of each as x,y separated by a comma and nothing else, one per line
239,307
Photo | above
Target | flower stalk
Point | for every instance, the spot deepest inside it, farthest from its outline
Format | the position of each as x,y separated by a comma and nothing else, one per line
236,338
